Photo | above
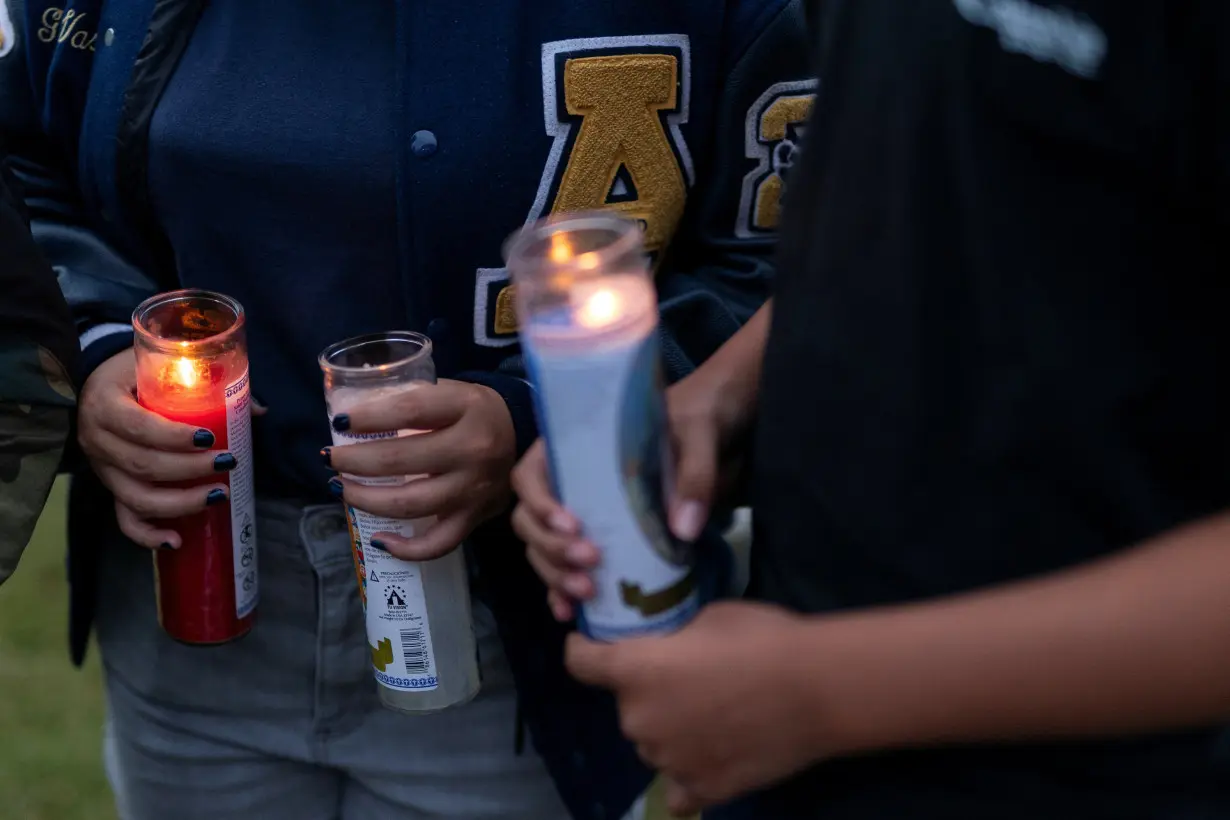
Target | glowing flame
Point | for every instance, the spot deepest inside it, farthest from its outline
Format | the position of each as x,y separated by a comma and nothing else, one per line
604,307
561,249
186,372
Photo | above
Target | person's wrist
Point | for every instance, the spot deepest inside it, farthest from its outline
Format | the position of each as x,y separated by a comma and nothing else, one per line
833,688
721,390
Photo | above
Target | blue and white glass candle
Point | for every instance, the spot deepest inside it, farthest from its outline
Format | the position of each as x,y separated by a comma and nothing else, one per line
588,313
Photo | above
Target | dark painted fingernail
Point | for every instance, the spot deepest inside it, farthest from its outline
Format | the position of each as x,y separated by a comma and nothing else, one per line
336,487
224,463
166,545
327,455
203,439
378,544
341,422
215,497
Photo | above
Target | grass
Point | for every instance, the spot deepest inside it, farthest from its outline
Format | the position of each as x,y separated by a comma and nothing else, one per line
50,713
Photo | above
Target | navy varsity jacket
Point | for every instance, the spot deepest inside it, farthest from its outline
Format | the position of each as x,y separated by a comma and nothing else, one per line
682,113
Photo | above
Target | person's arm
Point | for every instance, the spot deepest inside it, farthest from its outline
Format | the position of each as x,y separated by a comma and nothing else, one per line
37,351
1131,644
1135,643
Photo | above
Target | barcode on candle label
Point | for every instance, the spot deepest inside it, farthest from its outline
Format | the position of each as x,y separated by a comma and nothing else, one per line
243,497
414,648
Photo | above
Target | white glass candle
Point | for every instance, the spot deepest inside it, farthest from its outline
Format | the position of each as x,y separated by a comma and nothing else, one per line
589,327
419,626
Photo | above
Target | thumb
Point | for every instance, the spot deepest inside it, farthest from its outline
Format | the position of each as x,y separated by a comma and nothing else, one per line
696,454
591,662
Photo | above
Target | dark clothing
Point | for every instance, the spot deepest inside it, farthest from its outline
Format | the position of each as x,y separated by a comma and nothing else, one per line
38,348
1003,269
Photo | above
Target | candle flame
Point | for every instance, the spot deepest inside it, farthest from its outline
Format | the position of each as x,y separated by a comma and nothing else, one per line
602,308
561,249
186,372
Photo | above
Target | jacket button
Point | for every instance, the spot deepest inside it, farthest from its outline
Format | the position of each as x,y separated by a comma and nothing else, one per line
423,144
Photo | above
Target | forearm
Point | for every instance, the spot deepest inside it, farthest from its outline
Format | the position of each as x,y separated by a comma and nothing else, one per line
732,374
1135,643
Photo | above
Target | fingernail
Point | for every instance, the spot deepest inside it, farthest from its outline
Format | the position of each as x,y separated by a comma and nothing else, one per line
203,439
166,545
327,455
562,522
581,553
688,520
336,487
224,463
215,497
341,422
379,545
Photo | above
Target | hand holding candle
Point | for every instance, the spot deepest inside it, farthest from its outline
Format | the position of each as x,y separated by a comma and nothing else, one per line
589,327
465,456
192,372
408,448
139,455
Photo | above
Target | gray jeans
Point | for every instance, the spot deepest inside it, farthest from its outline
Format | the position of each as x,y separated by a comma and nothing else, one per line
286,723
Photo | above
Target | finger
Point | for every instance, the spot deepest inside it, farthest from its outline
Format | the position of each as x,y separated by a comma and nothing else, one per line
420,498
531,482
121,415
439,540
681,801
568,585
151,466
418,407
431,453
696,470
153,502
560,606
143,533
565,551
577,586
594,663
258,409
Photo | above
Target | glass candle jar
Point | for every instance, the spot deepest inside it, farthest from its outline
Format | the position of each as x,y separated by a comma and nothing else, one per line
192,367
588,315
419,625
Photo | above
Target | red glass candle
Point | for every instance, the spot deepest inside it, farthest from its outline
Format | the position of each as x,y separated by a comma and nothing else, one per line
192,367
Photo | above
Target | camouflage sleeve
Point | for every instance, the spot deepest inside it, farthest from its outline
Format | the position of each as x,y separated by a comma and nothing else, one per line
36,401
38,350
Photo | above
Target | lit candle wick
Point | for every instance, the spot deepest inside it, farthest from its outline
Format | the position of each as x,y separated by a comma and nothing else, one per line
185,370
603,308
561,249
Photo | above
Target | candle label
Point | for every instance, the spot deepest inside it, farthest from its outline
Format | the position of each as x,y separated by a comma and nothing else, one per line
603,413
398,629
243,495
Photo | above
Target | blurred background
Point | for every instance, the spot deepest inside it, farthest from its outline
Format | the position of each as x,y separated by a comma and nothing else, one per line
51,715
